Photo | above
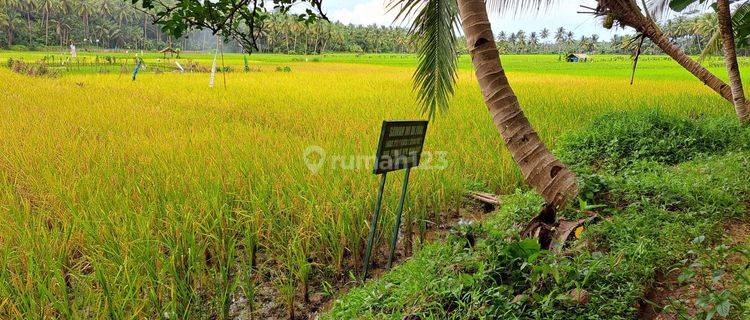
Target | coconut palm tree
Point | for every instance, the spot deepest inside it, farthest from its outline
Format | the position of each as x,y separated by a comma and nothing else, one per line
730,58
47,10
560,41
9,19
5,24
544,35
435,78
724,31
533,41
521,40
594,42
84,9
627,13
28,6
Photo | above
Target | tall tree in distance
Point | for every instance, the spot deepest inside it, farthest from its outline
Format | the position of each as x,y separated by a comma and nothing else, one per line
627,13
560,40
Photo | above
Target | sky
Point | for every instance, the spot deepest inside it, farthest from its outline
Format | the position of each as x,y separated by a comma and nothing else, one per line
563,14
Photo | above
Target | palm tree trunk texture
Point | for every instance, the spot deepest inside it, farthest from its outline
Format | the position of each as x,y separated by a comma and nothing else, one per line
541,170
629,14
46,25
730,59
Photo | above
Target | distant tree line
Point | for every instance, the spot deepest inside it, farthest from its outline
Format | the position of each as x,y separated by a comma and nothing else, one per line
114,24
546,41
692,33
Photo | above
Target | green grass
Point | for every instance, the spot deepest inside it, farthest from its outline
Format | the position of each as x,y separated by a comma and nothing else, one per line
649,67
651,215
145,197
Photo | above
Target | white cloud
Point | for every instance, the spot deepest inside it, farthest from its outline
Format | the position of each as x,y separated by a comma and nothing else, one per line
361,13
366,12
561,15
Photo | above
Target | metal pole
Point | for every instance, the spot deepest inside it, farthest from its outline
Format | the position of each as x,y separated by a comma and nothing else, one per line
373,226
394,237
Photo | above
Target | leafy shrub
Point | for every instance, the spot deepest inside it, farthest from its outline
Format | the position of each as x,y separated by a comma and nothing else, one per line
650,211
19,47
39,69
613,263
619,140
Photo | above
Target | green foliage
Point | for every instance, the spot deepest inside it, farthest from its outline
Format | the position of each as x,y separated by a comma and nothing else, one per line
679,5
232,19
652,218
720,276
434,34
40,69
19,47
619,140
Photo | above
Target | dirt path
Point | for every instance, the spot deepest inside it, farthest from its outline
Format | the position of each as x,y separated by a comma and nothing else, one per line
668,288
324,289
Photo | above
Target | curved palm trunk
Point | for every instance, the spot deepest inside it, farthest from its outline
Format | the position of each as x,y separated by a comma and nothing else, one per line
688,63
730,59
541,170
629,14
46,25
10,34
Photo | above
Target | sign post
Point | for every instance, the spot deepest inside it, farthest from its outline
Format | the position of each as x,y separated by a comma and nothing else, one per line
394,237
400,147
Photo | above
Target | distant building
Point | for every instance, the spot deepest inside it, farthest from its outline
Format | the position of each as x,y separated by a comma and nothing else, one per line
170,51
577,57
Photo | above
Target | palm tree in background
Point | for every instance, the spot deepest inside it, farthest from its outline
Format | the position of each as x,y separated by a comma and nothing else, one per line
570,38
560,40
628,13
47,10
521,40
9,18
583,43
28,7
594,42
84,10
544,35
533,42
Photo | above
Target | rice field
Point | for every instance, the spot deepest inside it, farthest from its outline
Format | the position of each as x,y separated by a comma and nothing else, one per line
164,198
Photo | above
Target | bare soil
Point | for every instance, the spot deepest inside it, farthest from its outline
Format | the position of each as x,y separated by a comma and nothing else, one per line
667,288
268,305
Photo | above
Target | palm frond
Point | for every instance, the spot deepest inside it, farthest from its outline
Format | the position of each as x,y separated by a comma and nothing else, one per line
712,46
741,26
433,33
665,8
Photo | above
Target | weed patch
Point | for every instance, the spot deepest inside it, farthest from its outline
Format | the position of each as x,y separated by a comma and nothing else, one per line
662,191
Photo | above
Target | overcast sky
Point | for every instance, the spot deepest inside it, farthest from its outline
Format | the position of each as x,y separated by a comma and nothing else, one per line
562,15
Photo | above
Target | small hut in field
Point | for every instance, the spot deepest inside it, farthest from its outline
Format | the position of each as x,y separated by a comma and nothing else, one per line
170,51
577,57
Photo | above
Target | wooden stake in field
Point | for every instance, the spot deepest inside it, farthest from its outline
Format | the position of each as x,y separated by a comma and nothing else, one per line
223,67
213,67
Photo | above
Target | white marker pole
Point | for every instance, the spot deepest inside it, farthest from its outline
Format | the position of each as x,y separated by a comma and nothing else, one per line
213,73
